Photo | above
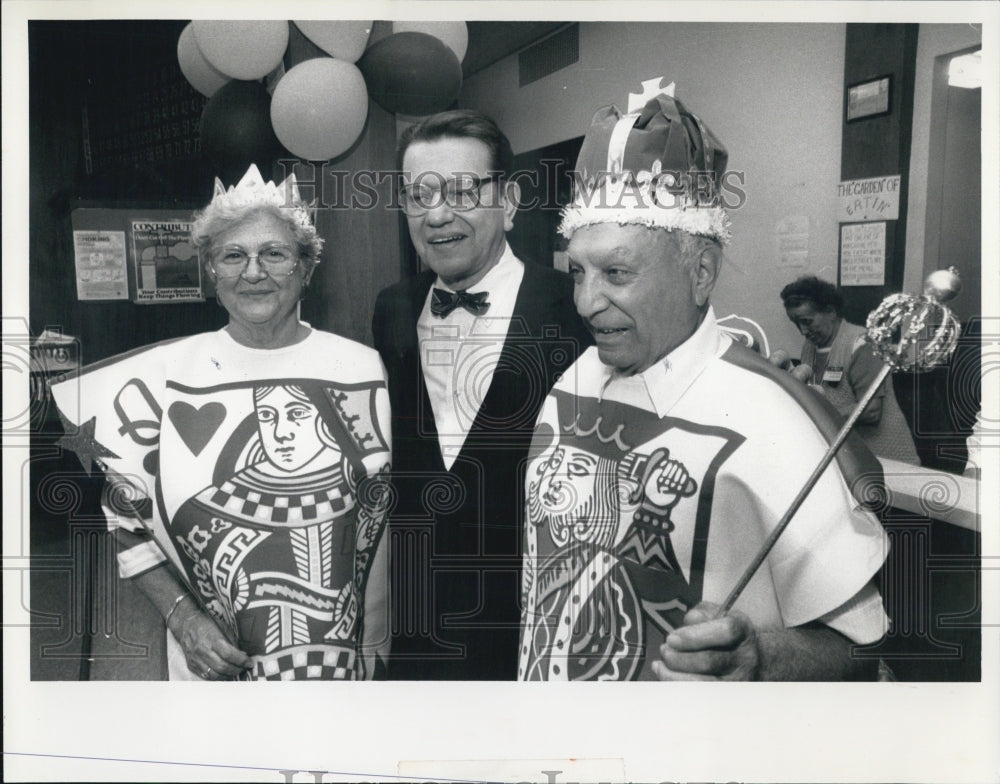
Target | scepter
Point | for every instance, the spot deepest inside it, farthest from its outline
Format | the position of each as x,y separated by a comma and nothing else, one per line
907,315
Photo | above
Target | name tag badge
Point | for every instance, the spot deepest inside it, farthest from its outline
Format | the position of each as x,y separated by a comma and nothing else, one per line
832,375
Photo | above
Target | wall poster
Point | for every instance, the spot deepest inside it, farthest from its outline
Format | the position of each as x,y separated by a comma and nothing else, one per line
862,254
166,263
101,265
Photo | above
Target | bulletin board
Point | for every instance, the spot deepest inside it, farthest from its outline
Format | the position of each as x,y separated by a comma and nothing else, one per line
143,255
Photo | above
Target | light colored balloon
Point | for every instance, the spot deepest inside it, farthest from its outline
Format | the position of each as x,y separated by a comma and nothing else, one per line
199,72
344,39
242,49
454,35
319,108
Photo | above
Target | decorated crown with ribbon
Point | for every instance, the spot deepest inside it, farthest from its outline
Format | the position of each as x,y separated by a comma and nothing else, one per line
656,165
251,191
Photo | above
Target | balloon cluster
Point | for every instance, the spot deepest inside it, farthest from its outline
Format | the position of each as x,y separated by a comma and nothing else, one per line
318,107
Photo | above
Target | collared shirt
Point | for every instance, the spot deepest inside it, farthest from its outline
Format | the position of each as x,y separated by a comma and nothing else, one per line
459,353
664,382
649,493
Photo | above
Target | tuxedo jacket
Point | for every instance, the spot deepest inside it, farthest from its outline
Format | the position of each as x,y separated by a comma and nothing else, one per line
456,534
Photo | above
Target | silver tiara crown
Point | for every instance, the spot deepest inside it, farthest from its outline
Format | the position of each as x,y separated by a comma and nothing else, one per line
252,191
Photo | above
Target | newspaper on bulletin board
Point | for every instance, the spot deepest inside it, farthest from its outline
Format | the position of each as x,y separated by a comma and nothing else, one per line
101,265
166,262
862,254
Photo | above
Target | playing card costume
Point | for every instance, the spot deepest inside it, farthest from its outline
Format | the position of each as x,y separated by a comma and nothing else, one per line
649,493
252,473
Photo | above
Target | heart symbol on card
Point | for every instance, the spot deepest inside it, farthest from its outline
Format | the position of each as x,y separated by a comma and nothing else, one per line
196,426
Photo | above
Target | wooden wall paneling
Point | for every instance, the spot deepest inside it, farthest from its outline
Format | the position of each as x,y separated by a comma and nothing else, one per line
361,231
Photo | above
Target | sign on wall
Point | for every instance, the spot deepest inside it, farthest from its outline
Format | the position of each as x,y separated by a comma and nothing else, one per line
101,265
871,199
166,263
141,254
862,254
792,238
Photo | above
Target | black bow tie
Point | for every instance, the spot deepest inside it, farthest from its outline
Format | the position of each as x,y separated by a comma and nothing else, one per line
444,302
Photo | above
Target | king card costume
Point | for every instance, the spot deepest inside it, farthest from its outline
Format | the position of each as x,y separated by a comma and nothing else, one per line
646,494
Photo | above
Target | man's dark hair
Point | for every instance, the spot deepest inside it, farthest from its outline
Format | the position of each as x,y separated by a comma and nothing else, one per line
810,290
461,124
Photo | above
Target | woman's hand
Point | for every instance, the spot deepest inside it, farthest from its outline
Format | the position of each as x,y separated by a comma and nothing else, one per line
781,359
210,655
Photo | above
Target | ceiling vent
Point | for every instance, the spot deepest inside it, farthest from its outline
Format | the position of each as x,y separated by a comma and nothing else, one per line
549,55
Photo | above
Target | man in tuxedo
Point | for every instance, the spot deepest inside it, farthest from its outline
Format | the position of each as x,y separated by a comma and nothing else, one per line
472,346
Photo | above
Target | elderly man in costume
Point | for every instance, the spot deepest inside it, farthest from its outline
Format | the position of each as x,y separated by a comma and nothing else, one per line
667,453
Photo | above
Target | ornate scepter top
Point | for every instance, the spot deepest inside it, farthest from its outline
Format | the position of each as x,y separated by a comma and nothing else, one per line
911,317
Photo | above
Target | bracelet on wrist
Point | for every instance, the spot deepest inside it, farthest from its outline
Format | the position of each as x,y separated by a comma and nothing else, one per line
177,601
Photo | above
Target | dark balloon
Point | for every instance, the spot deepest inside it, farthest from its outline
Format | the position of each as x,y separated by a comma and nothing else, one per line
411,73
236,130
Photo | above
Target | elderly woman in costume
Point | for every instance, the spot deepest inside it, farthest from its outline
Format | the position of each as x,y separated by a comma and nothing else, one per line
246,467
838,363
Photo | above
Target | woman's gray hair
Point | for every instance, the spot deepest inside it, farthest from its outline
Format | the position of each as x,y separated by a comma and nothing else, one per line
218,216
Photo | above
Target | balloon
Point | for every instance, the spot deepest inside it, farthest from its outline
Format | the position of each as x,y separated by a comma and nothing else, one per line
345,40
199,72
454,35
242,49
236,129
319,108
411,73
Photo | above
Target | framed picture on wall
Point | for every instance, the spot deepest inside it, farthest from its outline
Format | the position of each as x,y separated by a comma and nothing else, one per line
870,98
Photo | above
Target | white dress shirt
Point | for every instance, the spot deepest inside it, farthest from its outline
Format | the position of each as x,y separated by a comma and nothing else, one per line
459,353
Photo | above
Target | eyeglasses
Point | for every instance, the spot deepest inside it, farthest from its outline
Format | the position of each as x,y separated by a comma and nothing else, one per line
461,194
275,260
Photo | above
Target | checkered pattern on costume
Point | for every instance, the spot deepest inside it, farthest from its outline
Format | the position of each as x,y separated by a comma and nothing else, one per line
250,500
324,662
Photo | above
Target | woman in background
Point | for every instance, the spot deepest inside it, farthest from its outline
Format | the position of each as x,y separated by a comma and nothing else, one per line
839,364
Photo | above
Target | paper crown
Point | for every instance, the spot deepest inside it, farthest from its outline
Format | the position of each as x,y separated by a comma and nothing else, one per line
252,191
658,166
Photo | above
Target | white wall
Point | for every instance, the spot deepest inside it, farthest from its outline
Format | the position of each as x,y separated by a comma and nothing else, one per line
773,93
933,40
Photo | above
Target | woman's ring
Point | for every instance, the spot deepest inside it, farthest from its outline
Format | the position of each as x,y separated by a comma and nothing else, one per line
206,673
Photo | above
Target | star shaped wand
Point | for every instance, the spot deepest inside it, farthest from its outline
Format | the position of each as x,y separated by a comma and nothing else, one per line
81,441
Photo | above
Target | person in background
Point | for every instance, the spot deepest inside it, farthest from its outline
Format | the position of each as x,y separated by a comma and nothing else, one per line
247,469
666,455
471,346
839,364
